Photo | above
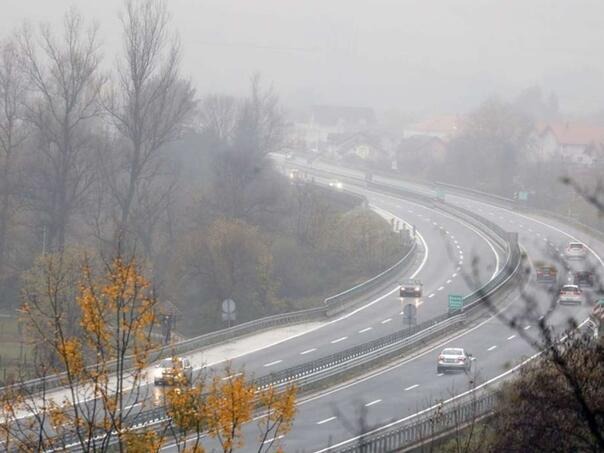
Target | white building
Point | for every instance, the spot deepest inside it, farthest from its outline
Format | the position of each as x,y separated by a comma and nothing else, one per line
574,143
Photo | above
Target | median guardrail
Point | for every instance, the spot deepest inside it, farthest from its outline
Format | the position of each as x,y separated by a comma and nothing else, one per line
360,357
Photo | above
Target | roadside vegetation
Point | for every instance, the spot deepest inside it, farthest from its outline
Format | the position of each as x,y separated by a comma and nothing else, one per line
101,341
90,159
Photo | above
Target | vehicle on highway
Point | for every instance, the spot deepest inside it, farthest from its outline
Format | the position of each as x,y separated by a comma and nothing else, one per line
173,371
454,359
575,251
583,279
335,184
545,272
411,288
571,295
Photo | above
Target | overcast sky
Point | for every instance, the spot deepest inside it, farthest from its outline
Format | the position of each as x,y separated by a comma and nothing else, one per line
412,55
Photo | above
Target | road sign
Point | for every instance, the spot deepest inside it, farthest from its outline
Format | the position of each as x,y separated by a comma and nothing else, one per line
228,306
455,302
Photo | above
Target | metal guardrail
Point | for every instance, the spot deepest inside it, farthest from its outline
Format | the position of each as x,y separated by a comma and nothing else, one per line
394,270
361,356
399,338
441,421
330,305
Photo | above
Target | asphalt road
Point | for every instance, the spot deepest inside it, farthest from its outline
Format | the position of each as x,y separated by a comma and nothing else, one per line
454,250
399,391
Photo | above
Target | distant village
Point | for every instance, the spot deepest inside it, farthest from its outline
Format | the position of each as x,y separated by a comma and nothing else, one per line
355,133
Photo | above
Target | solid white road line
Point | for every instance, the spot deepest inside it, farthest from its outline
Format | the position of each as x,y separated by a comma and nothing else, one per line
492,347
326,420
412,387
373,402
273,363
308,351
366,329
339,339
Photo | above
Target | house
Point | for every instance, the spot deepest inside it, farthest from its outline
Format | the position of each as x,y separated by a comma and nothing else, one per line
358,146
317,129
574,143
444,127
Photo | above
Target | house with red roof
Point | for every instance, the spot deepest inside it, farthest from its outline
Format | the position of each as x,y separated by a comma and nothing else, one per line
574,143
443,127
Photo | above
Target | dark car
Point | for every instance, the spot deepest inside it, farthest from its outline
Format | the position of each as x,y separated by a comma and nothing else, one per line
411,288
546,273
584,279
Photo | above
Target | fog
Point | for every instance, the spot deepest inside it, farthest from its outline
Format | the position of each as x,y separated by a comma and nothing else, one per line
414,56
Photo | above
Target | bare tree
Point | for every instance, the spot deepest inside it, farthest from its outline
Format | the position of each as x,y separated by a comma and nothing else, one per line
12,137
149,104
243,135
66,82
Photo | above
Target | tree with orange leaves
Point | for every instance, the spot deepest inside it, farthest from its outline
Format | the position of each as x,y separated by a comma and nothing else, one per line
223,408
104,371
102,363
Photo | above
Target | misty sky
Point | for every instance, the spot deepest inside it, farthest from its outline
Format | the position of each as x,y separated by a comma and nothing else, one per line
417,56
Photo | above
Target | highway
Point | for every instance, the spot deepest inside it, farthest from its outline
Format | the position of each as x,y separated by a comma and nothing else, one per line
447,245
451,250
413,384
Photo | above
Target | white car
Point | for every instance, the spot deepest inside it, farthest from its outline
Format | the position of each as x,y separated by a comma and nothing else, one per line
173,371
571,294
575,251
336,184
454,359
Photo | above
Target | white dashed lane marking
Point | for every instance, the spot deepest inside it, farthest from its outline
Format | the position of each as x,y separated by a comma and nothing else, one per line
268,441
412,387
511,337
226,378
273,363
339,339
431,296
372,403
366,329
448,281
326,420
308,351
491,348
527,327
385,321
441,288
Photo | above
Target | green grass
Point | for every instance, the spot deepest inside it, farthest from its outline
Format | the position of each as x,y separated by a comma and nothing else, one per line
14,356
